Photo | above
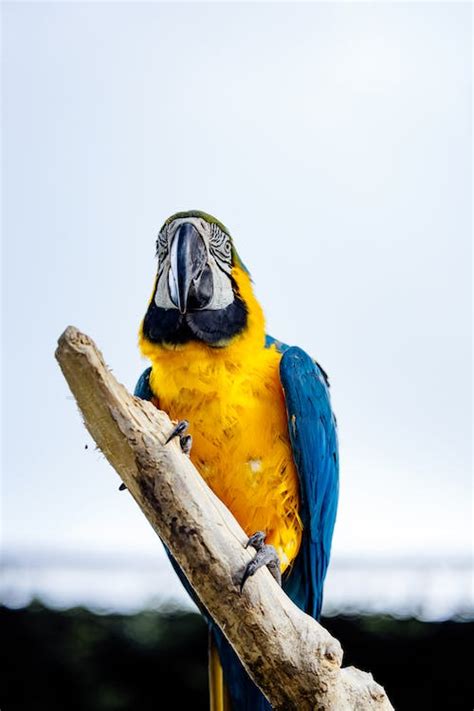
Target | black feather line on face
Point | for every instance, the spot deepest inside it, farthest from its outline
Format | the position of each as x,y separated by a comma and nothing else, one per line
214,327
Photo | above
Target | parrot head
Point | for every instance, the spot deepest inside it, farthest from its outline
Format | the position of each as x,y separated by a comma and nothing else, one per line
202,291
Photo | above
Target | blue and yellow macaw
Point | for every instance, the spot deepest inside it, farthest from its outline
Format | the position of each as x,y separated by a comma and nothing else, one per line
263,432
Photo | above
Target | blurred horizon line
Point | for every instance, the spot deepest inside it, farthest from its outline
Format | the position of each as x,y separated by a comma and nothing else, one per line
17,555
426,587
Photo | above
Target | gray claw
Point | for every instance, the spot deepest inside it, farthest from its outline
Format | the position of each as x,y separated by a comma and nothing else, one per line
186,442
266,555
177,431
257,540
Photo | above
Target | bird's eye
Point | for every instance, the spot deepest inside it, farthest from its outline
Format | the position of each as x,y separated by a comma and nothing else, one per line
221,248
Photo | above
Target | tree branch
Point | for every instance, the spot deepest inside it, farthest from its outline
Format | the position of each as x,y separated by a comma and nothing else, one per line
293,659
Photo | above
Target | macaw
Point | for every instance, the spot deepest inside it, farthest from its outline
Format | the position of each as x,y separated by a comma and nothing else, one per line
263,432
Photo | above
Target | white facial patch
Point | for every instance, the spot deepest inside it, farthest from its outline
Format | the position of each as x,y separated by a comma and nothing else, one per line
219,258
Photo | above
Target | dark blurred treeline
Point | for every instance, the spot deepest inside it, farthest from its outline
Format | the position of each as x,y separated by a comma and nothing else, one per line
76,660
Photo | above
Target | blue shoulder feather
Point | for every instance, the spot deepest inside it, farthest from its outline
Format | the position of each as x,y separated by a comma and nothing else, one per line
270,341
142,388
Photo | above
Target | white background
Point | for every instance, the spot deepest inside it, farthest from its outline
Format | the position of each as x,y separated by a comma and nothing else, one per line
334,140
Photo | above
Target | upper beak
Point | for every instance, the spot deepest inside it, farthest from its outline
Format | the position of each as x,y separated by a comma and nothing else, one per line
188,262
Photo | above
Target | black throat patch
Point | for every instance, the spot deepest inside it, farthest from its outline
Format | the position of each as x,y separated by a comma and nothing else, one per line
214,327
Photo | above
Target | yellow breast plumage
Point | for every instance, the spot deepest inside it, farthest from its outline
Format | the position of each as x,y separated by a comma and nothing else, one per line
234,402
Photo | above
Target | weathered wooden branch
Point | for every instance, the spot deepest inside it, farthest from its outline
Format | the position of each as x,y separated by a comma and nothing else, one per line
292,658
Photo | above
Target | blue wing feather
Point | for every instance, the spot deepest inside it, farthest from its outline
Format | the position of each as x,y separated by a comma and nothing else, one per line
313,436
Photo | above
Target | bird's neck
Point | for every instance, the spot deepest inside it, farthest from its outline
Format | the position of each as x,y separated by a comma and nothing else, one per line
170,358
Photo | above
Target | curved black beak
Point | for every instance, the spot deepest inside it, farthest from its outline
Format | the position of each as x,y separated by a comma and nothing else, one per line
190,277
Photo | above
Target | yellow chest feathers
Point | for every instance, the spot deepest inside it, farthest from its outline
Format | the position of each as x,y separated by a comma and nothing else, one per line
240,436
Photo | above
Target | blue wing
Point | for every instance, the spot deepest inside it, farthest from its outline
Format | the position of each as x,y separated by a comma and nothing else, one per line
313,435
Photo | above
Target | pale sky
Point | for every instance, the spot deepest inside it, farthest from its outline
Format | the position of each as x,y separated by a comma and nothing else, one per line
335,143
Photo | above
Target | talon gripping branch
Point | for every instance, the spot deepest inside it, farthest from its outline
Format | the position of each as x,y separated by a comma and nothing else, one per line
263,432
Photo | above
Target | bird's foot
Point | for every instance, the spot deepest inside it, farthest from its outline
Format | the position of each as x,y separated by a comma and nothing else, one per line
185,440
265,555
